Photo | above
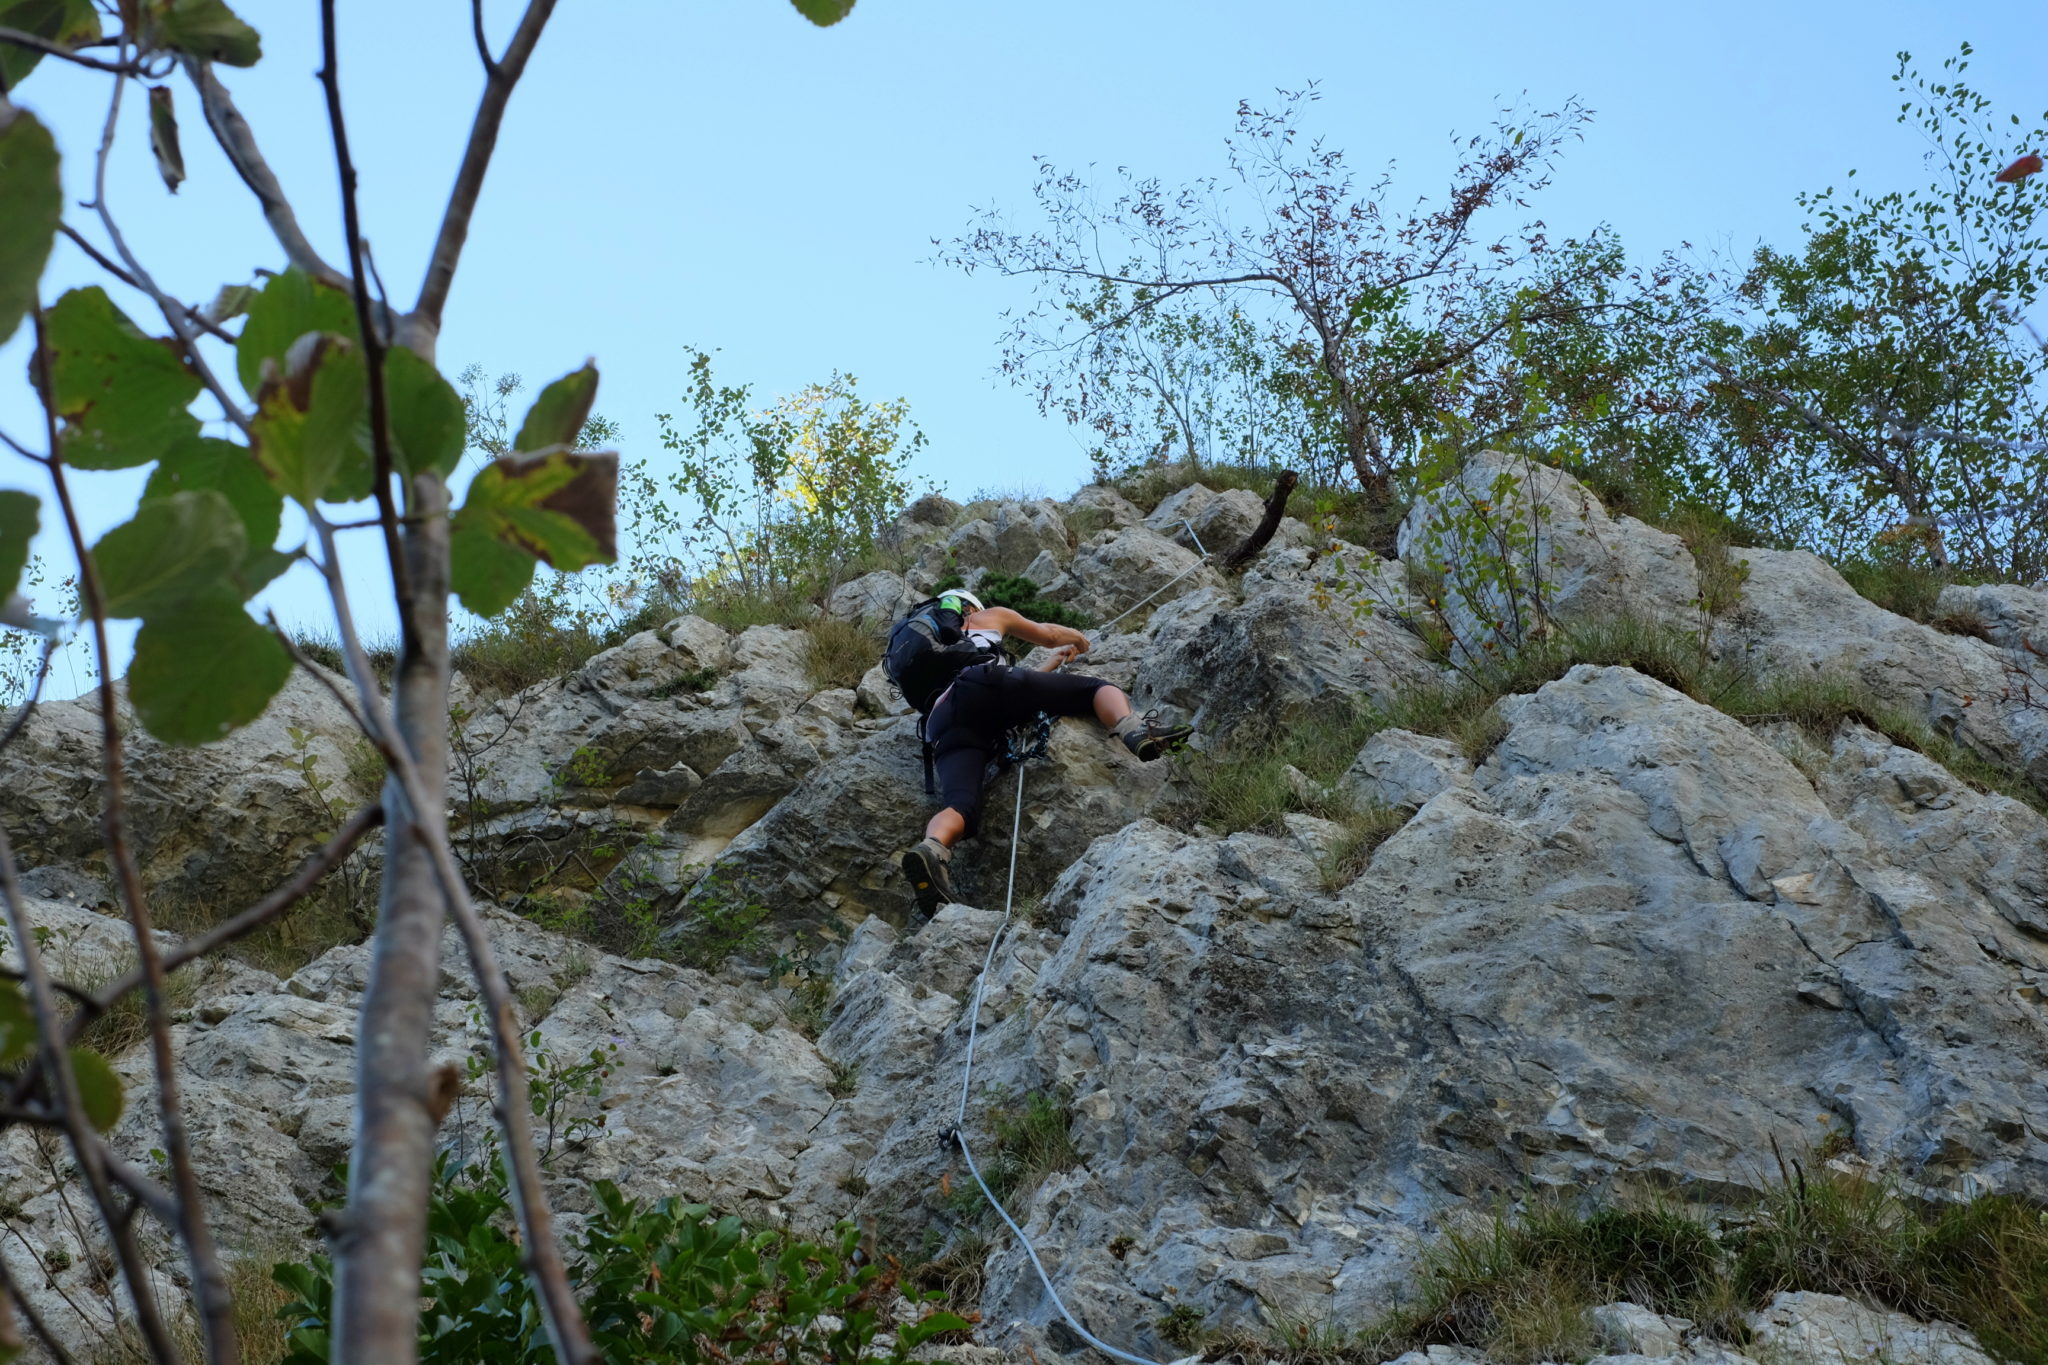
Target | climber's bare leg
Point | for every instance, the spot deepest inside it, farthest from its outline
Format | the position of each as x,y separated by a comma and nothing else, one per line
948,827
1111,705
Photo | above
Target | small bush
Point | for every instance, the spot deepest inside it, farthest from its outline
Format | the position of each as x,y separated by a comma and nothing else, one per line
549,632
667,1282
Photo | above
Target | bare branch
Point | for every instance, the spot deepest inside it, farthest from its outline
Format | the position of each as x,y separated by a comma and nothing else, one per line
173,311
63,1086
1276,508
231,131
368,325
50,48
499,79
209,1284
424,821
10,1294
483,44
106,263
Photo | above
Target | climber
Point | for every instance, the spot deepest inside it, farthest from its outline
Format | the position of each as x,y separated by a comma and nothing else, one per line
946,658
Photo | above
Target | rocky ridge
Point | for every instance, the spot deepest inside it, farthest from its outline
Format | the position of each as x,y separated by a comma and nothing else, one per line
1635,941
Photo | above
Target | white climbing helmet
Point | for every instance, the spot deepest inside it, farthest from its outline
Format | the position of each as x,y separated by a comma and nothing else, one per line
973,602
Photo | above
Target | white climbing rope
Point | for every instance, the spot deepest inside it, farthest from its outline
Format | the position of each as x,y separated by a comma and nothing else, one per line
966,1078
959,1133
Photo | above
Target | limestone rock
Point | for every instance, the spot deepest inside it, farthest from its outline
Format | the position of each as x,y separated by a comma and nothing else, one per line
1824,1329
873,600
1400,768
212,826
1595,566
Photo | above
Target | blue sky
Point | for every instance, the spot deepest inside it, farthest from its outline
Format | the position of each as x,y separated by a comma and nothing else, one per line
724,175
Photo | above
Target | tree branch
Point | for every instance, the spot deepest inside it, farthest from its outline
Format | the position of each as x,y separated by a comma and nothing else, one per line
421,817
63,1085
1276,508
483,44
499,79
209,1284
108,264
372,332
173,311
231,131
50,48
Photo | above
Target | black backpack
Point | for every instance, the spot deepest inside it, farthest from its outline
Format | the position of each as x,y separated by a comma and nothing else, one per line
927,650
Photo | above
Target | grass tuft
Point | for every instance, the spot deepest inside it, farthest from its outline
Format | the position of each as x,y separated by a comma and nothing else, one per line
838,653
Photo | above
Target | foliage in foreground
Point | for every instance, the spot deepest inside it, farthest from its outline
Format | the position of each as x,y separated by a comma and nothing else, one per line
667,1282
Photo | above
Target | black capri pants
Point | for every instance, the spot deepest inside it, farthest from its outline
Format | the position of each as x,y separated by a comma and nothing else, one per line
966,728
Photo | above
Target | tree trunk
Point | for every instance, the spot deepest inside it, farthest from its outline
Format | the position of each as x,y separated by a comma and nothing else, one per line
1276,508
381,1240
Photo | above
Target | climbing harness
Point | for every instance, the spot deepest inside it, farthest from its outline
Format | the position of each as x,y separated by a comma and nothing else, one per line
1018,753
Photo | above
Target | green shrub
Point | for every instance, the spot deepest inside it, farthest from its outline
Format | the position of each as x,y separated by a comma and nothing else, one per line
668,1282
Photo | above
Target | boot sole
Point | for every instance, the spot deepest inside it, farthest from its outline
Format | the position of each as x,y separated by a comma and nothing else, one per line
926,881
1152,750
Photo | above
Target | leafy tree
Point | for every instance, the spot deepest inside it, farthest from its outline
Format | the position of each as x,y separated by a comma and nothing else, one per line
786,496
1878,393
1376,319
330,396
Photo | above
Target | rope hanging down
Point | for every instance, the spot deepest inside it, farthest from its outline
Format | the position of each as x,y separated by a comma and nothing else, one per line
1020,755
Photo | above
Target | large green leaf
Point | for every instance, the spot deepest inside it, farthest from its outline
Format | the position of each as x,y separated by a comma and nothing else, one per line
174,551
312,424
486,573
34,196
70,22
290,306
200,672
17,1026
428,424
208,30
231,471
122,395
558,415
99,1089
823,13
19,519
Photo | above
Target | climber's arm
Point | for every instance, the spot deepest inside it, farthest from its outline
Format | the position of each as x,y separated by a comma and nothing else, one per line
1024,628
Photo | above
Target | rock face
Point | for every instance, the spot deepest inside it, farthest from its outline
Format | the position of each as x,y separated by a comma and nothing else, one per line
1635,942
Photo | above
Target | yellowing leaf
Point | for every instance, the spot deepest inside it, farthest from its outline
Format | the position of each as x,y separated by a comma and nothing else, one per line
557,508
290,306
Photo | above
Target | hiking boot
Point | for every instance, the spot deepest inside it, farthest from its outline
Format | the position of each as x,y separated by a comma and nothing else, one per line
929,865
1146,737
